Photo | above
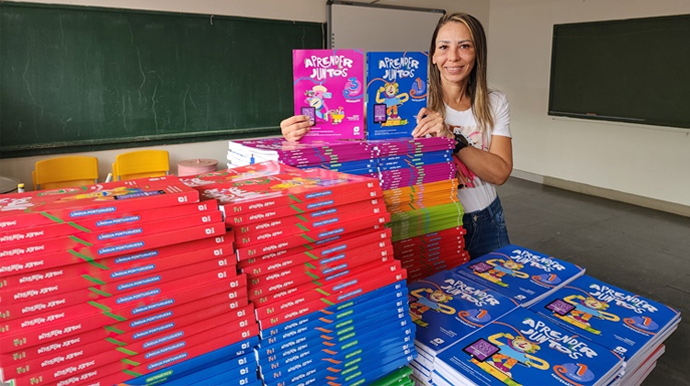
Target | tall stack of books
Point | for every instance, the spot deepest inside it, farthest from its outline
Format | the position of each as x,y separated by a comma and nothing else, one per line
419,188
418,176
319,262
631,325
446,307
112,282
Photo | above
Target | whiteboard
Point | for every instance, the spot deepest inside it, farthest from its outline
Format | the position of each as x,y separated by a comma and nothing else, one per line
373,27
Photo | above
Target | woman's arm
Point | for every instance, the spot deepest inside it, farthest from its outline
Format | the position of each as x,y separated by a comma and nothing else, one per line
493,166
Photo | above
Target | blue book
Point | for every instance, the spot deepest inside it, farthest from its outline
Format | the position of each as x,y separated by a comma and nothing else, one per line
396,91
522,347
628,324
522,274
233,353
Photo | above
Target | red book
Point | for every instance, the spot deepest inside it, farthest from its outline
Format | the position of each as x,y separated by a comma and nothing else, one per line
114,236
135,328
95,225
301,186
307,272
267,211
296,240
285,226
263,297
19,263
196,343
74,320
315,252
107,200
261,169
318,265
116,269
41,299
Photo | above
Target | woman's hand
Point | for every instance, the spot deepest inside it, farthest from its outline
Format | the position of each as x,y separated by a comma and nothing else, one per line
295,127
430,123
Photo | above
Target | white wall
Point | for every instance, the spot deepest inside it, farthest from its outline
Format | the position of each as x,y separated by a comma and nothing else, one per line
299,10
647,161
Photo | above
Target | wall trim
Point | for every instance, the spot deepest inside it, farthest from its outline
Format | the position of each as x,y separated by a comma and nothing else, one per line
628,198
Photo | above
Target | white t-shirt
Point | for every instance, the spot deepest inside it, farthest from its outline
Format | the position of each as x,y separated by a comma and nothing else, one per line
476,194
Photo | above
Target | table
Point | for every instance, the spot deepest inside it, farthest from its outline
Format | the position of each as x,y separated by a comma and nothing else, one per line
8,184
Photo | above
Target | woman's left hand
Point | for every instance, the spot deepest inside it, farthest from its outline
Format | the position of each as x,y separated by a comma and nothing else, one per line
430,123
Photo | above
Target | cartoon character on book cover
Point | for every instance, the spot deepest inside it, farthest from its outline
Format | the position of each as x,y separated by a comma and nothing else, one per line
447,305
522,347
523,272
615,318
328,87
396,91
579,309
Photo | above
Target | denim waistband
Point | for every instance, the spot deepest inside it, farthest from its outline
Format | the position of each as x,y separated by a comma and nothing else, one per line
487,212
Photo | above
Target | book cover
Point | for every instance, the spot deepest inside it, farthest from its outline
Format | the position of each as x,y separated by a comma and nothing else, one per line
525,348
396,91
613,317
447,306
104,200
520,273
329,87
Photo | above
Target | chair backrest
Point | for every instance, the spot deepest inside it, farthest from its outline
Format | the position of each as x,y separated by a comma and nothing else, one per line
64,172
140,164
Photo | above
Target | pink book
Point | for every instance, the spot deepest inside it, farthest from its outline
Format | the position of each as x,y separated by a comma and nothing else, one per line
329,88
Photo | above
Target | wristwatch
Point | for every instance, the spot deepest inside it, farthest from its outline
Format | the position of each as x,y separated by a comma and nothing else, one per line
460,142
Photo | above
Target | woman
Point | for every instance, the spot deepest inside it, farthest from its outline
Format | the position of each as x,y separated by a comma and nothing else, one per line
462,107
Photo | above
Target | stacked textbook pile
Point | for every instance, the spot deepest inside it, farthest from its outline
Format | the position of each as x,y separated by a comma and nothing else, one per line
119,282
570,328
328,294
447,306
630,325
419,188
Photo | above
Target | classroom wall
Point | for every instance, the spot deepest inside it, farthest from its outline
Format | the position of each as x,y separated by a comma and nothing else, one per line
301,10
638,160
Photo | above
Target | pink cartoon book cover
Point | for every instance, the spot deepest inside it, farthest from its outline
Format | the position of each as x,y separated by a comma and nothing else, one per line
329,88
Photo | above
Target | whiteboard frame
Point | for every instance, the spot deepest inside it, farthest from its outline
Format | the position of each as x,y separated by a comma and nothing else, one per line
330,34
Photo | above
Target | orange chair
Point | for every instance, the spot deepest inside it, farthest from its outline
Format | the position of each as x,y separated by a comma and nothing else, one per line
140,164
64,172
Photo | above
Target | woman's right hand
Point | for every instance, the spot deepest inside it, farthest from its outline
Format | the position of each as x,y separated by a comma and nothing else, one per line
295,127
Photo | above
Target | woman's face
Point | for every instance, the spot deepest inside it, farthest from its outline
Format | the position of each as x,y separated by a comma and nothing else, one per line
455,53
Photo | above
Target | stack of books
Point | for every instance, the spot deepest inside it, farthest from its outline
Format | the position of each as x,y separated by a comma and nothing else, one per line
353,157
523,275
446,307
522,347
419,189
318,259
114,281
631,325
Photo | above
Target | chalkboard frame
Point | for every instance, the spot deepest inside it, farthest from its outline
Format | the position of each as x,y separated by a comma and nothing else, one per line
630,70
307,34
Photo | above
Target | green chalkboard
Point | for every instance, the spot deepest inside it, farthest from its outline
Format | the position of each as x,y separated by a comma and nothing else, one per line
632,70
81,78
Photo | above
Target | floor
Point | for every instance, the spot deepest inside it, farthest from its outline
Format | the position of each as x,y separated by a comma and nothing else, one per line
641,250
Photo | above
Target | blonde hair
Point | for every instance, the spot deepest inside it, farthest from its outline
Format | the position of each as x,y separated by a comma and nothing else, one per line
477,88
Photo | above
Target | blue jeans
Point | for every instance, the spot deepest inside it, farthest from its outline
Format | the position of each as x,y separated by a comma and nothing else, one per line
486,230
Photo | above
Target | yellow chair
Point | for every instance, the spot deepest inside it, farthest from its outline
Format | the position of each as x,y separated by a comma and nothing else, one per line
64,172
140,164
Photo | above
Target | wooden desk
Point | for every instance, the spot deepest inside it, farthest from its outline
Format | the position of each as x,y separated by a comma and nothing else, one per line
8,185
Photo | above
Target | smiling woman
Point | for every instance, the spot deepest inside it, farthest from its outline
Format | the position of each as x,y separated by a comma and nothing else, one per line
462,107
